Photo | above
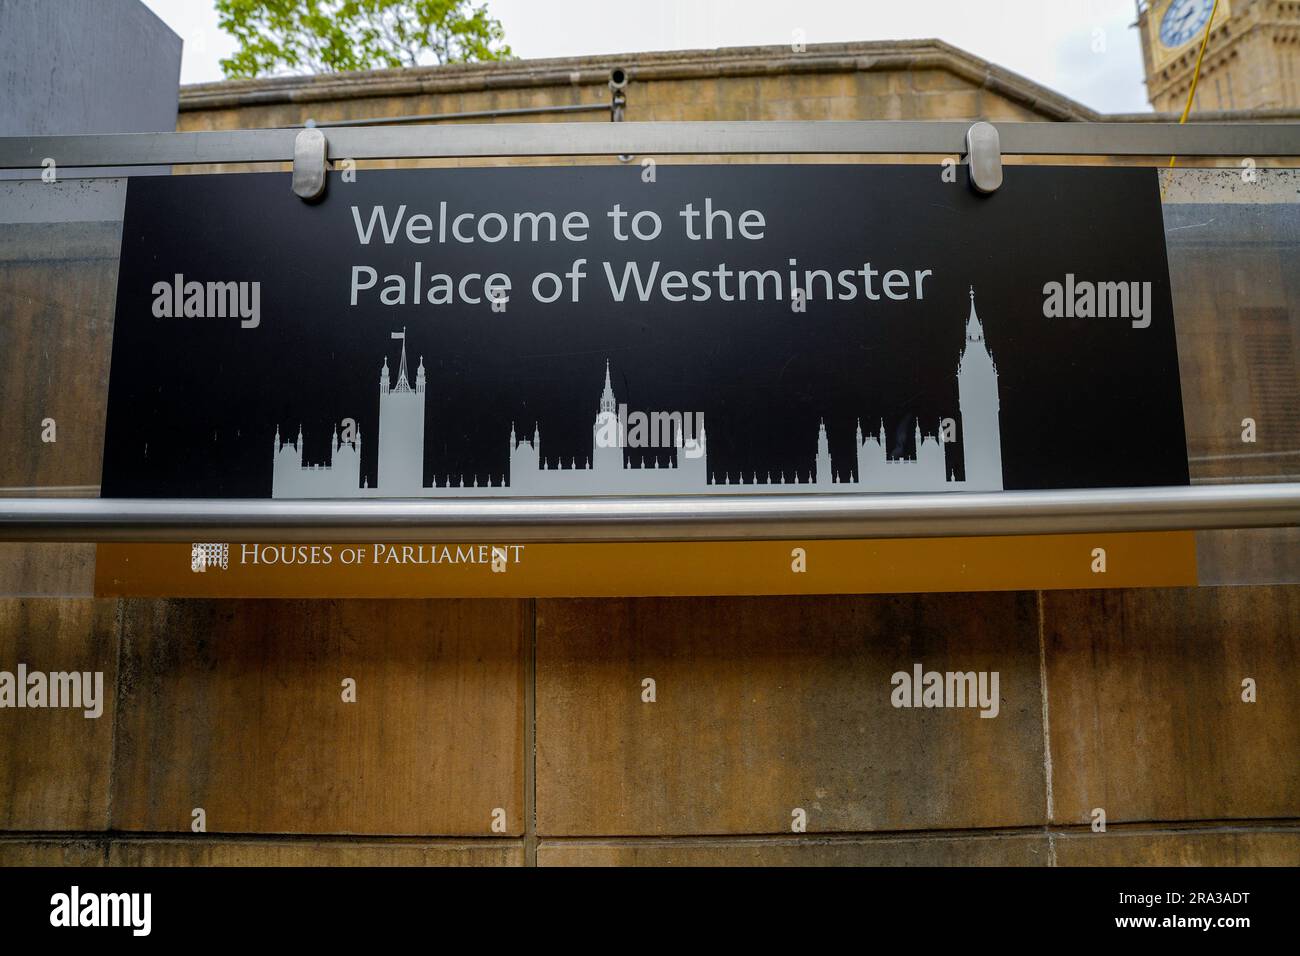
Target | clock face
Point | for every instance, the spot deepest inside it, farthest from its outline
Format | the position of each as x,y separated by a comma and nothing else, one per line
1184,20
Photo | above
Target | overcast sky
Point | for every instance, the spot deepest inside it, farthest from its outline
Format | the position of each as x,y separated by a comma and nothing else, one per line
1085,49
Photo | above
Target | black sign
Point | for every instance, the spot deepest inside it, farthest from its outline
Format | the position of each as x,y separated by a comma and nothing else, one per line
632,330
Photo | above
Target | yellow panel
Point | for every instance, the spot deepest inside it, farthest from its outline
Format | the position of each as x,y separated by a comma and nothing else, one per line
1163,559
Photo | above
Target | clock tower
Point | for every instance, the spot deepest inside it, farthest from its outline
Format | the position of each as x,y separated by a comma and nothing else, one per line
1252,61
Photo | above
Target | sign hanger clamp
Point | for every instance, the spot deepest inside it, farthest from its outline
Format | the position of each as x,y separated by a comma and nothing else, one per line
984,157
310,149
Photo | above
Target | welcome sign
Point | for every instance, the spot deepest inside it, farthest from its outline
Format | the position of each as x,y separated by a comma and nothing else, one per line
553,332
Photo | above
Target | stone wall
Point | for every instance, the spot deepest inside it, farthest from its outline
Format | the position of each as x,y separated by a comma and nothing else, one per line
1124,700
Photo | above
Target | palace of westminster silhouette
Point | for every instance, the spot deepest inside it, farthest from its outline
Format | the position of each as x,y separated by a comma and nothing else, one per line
611,469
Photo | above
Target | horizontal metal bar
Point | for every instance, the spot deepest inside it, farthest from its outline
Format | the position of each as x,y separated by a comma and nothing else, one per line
1149,139
667,518
660,138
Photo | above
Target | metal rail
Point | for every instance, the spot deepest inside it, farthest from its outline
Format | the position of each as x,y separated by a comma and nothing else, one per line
667,518
659,138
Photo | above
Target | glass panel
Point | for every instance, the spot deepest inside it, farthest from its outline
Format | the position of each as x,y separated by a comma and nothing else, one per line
59,246
1234,249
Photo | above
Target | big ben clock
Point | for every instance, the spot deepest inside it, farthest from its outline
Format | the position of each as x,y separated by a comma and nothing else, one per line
1184,20
1174,25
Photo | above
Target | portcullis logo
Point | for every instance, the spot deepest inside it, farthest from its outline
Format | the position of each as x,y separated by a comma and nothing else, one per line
204,556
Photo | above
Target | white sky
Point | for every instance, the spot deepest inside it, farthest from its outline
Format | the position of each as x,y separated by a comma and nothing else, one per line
1085,49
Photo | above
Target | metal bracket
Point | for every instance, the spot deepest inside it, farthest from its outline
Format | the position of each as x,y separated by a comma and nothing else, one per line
618,79
309,155
984,157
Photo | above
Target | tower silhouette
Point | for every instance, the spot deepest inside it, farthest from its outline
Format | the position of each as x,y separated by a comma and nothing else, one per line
977,395
607,438
401,429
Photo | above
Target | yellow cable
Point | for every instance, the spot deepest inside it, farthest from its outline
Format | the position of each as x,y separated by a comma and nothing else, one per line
1196,73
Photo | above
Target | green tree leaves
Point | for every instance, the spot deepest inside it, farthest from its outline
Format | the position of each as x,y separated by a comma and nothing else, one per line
327,36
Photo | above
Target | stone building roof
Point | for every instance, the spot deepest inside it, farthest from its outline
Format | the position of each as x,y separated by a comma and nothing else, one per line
877,56
880,56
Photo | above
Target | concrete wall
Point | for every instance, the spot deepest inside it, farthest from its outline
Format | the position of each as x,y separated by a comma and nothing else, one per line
1127,701
85,66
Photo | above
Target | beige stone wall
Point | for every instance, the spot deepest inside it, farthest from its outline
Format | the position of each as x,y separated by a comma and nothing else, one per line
890,80
921,80
896,80
1123,700
1258,72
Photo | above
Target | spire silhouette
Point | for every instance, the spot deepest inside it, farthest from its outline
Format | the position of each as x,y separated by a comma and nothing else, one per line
607,402
974,328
